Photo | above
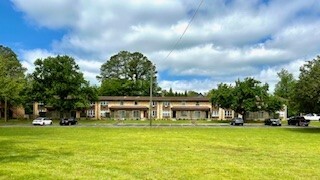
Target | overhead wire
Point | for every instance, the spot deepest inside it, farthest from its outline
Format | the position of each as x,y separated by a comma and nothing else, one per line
185,30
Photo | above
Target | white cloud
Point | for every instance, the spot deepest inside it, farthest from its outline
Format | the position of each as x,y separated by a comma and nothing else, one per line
226,41
28,57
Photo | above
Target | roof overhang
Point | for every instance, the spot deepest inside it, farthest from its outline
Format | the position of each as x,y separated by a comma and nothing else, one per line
128,108
190,108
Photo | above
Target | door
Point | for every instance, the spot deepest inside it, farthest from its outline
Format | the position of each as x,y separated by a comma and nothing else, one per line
174,114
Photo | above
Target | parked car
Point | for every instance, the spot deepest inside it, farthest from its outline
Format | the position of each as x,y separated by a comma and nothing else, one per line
68,121
312,117
298,121
42,121
237,121
272,122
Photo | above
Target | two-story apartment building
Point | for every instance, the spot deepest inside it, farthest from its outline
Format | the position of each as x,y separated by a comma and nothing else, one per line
139,107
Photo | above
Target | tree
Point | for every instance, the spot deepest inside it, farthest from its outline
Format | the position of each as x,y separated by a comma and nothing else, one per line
222,96
249,95
285,89
130,73
286,84
12,78
307,89
245,96
192,93
58,82
273,104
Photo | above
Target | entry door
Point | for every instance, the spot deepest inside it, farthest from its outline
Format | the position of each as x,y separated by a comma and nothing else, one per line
174,114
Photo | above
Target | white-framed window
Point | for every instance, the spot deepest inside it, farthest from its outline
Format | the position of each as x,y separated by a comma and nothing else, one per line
154,113
166,104
103,113
228,113
184,113
197,114
215,113
166,114
92,103
197,103
153,103
104,103
91,113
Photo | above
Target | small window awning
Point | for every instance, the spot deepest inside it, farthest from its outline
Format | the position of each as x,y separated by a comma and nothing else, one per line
128,108
190,108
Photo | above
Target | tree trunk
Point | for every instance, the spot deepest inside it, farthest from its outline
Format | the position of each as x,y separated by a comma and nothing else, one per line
244,116
5,109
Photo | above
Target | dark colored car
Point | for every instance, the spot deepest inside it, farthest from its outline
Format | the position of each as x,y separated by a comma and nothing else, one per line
237,121
298,121
272,122
68,121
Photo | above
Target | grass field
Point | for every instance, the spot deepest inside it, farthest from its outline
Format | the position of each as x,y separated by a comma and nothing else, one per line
159,153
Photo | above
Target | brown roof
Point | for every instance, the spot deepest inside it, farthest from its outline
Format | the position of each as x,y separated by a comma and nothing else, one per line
190,108
147,98
128,108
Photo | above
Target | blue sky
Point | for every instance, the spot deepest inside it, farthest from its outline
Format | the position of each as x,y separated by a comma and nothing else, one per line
227,40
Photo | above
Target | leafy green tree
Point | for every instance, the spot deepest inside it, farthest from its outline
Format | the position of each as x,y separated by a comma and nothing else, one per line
249,95
222,96
286,84
285,89
307,89
245,96
192,93
12,78
273,104
130,73
58,82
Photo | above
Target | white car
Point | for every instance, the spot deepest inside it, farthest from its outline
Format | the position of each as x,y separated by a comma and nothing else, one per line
42,121
312,117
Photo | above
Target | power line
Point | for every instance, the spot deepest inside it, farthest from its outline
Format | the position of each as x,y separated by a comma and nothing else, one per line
185,30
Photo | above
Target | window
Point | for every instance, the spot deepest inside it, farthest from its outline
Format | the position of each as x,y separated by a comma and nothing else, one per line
136,114
121,103
183,113
215,113
228,113
154,113
166,104
197,103
197,114
183,103
104,103
260,115
91,113
166,114
136,103
122,114
153,103
92,103
103,114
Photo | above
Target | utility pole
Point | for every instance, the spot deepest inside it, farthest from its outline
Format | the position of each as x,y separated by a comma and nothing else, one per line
150,103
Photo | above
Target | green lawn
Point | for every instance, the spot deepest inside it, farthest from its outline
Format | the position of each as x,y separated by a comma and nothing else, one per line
159,153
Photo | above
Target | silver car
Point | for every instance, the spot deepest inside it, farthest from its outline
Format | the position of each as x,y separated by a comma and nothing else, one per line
272,122
236,121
